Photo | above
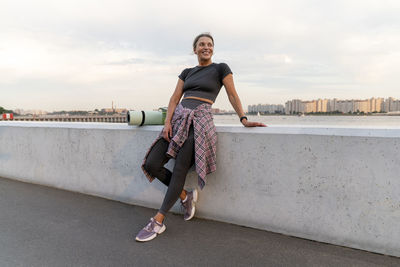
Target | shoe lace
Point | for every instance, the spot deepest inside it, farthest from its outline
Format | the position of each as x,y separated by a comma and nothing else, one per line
150,226
183,206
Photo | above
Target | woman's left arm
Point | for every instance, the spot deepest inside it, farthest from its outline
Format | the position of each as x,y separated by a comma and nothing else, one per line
235,101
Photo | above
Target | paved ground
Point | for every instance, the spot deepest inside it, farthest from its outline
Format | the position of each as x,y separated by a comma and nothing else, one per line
42,226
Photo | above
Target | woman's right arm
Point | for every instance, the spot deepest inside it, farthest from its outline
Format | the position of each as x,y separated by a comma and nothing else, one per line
173,102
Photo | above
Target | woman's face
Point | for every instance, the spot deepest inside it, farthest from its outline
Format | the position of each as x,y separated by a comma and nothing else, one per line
204,48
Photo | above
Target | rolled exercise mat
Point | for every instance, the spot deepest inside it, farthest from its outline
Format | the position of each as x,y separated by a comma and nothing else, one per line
140,118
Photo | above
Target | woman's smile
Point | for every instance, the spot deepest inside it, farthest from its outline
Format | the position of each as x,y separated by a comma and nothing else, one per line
204,48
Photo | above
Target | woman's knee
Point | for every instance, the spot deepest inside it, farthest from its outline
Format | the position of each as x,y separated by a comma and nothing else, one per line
153,165
149,166
156,158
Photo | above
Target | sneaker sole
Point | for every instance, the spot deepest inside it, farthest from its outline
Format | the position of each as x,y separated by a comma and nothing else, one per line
195,195
163,228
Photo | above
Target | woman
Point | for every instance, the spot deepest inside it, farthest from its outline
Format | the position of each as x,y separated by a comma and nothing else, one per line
189,133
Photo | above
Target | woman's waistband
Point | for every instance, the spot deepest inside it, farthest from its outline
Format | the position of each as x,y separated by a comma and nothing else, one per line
202,110
191,103
203,107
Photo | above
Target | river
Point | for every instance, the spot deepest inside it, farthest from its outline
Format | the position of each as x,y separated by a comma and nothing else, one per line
358,121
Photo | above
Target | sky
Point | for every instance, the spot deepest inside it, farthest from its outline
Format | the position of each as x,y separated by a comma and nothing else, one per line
82,55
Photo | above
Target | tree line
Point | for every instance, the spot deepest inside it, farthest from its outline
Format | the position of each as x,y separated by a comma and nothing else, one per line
3,110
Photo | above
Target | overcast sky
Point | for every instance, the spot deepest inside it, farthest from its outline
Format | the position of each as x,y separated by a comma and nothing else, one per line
68,55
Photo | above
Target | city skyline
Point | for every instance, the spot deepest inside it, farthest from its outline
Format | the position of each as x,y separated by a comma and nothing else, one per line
67,55
372,105
380,104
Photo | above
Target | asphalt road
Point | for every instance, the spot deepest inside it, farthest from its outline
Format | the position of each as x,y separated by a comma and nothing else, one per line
42,226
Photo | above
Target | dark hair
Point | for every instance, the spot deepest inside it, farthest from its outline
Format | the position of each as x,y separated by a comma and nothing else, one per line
204,34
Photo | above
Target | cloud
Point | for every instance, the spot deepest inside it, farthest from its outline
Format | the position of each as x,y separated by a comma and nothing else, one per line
128,61
132,51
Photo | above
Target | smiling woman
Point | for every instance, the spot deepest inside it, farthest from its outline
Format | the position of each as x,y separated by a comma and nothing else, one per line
203,46
189,133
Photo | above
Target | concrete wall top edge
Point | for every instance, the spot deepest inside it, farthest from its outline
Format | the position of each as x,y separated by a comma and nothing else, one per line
76,125
367,131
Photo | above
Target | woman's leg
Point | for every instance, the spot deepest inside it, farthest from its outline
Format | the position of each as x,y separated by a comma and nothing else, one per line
154,164
184,160
157,159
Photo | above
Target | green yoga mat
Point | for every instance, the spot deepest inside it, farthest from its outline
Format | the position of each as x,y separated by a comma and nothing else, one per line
135,117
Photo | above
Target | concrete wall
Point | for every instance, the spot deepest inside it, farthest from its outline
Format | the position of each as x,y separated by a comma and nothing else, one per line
335,185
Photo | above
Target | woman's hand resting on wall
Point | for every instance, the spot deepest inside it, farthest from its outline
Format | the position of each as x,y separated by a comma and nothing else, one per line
247,123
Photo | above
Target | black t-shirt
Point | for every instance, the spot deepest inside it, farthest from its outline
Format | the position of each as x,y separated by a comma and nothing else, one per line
205,82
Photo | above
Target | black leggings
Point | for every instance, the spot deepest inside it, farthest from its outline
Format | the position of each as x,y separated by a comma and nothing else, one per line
176,180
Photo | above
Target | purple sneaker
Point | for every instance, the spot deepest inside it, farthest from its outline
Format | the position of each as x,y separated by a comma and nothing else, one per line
189,205
150,231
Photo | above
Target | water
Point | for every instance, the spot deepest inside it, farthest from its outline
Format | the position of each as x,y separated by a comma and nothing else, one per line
357,121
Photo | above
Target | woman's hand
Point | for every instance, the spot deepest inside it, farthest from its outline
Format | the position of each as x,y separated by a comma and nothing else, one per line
247,123
167,131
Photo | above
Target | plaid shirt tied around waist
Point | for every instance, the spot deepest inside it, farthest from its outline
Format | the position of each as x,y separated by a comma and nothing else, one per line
205,139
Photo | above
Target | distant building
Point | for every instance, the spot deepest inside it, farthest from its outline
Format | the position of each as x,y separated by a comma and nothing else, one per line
391,105
116,110
215,110
294,106
332,105
266,108
30,112
308,106
345,106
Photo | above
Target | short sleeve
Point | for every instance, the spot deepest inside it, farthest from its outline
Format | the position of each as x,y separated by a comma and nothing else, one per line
224,70
183,75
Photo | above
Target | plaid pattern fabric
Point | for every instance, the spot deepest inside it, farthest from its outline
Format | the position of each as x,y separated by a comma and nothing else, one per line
205,139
